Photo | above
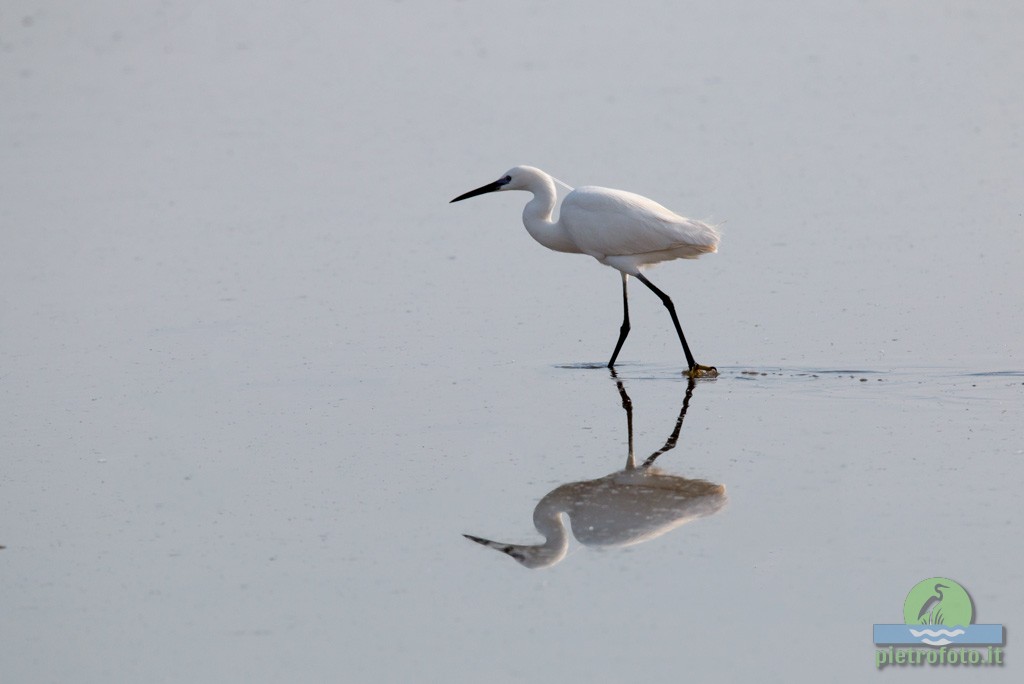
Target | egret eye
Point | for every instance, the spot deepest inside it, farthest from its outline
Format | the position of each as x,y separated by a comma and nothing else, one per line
506,180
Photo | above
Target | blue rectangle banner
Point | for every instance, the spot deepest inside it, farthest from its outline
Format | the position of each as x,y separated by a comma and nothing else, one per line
938,635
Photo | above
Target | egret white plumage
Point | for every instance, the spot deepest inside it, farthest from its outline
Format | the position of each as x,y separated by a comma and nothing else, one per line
620,229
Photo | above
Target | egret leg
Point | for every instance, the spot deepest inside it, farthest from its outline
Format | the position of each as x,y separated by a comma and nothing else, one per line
695,370
624,330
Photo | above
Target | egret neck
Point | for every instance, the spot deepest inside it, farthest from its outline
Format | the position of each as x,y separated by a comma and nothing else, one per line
537,216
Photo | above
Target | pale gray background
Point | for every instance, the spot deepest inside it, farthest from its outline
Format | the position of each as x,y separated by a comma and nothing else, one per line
258,376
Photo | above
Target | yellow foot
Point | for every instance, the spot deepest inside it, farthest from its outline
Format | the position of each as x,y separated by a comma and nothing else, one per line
699,371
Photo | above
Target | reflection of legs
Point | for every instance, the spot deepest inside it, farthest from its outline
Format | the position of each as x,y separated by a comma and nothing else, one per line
667,301
627,405
624,330
670,443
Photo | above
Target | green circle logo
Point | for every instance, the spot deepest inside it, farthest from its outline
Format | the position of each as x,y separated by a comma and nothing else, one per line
938,601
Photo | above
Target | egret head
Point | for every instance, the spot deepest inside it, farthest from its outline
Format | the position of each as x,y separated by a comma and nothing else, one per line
516,178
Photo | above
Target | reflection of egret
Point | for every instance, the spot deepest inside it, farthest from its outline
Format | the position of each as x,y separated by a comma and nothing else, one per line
627,507
620,229
931,611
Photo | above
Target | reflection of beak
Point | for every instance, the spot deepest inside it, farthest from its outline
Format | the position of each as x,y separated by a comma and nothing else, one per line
479,540
490,187
504,548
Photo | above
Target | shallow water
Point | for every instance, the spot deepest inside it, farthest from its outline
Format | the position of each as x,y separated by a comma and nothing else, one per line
261,378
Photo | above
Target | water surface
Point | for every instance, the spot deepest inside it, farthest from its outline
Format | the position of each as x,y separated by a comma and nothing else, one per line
260,378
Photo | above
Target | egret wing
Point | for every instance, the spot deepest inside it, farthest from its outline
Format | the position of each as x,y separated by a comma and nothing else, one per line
608,222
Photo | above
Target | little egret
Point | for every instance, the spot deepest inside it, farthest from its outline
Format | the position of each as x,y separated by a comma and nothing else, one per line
620,229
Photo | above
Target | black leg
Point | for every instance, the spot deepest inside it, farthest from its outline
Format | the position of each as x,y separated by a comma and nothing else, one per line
624,330
667,301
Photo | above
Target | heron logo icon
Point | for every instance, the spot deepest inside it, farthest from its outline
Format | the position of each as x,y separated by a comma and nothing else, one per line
938,611
938,601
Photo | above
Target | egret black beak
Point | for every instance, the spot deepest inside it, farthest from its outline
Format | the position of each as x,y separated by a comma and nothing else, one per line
490,187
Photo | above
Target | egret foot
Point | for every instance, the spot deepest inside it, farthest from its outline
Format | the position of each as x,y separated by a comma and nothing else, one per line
699,371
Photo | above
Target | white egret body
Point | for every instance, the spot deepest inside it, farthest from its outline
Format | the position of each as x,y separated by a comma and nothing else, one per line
620,229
